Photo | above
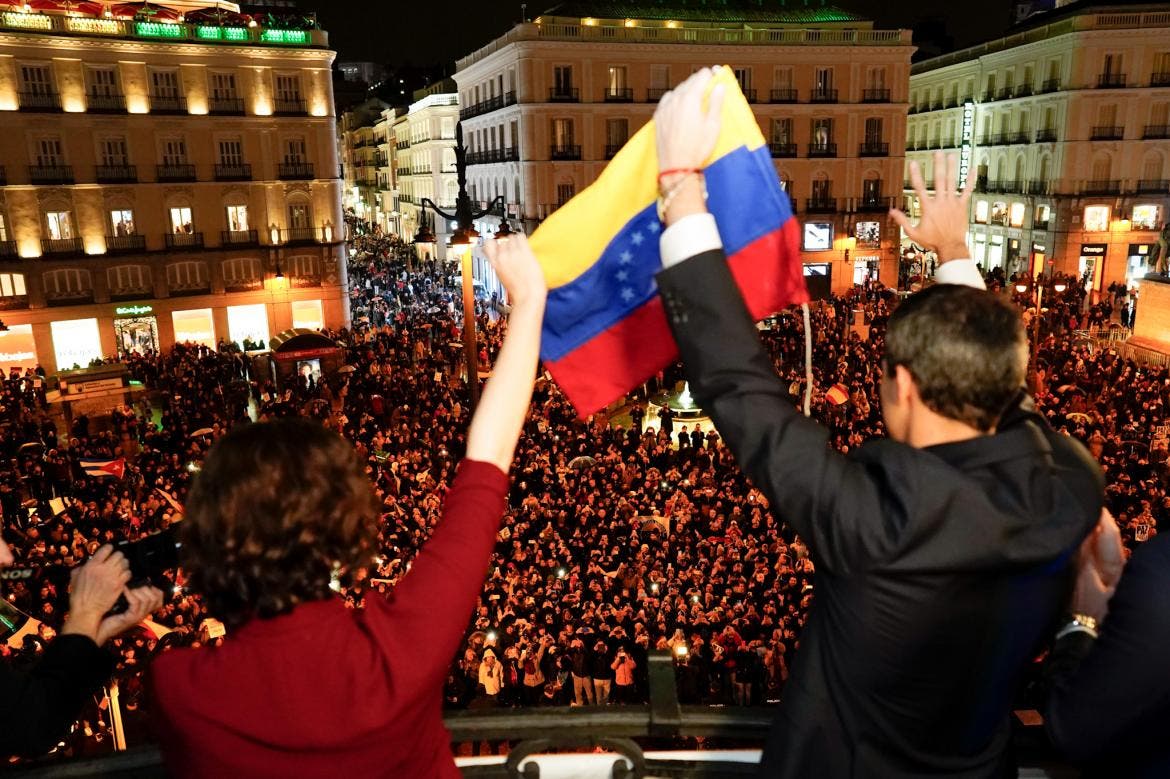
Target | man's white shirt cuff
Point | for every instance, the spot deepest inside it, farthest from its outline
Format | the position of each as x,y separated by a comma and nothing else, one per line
963,272
687,237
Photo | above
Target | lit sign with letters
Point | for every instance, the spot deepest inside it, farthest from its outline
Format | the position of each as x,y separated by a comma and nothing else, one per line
965,147
132,310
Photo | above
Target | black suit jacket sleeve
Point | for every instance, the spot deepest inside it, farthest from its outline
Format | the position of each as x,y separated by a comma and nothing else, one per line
1101,690
40,704
831,501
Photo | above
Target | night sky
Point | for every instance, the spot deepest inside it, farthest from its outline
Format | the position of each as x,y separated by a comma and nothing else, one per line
432,31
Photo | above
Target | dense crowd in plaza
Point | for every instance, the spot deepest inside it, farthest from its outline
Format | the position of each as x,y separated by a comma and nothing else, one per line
617,540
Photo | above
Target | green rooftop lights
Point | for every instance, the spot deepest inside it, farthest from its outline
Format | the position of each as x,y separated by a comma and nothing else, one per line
206,32
284,36
158,30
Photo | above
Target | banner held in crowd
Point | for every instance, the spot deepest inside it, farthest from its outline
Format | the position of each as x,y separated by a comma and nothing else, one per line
115,468
605,330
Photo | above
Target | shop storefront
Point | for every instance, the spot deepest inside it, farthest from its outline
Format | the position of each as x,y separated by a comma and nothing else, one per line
76,343
1137,263
194,326
1092,264
308,315
248,326
17,349
135,330
865,269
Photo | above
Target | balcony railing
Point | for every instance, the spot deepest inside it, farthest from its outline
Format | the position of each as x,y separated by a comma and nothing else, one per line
50,174
98,103
822,150
875,95
116,174
487,106
1046,136
8,250
564,95
787,95
654,94
564,152
619,95
295,170
301,235
184,240
168,104
290,107
40,101
783,150
823,96
62,246
175,172
1101,187
125,243
489,156
239,237
873,149
820,205
236,172
874,204
1050,85
611,150
1038,188
402,145
1153,186
1111,81
226,106
1024,90
1107,134
1160,79
1156,132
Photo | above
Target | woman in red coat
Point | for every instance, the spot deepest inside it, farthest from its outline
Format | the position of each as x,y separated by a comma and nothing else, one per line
304,686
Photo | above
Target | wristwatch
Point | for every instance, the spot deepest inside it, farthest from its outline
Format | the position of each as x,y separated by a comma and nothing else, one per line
1080,623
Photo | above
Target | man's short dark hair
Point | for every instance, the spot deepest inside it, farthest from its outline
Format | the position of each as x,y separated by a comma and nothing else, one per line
276,509
965,348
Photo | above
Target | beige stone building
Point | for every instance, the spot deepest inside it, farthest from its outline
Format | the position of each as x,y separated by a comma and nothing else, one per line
163,181
1066,124
424,162
546,105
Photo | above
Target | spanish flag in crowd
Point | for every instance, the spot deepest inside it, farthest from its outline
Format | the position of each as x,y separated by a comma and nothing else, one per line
605,331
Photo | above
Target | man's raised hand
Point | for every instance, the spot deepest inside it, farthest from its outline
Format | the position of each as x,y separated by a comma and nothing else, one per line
943,226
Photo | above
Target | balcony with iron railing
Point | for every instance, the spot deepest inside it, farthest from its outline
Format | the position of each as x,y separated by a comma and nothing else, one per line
118,244
783,150
180,172
875,96
1111,81
564,152
1153,186
105,104
1156,132
116,174
611,150
1047,135
493,103
8,250
618,95
39,101
1160,78
60,247
489,156
225,106
1107,133
874,204
295,171
50,174
183,240
1101,187
168,104
402,145
241,171
239,237
1050,85
1023,90
290,106
1005,93
785,95
820,205
873,149
302,235
822,150
1037,187
654,94
820,95
564,95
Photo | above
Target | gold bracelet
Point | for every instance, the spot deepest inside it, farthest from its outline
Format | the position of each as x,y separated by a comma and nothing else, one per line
666,198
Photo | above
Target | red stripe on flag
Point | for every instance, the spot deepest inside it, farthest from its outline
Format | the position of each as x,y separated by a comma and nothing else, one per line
768,273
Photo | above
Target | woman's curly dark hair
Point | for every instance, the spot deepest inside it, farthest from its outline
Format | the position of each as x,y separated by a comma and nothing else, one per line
277,509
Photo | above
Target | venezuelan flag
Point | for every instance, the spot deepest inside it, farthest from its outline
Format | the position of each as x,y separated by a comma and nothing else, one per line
605,330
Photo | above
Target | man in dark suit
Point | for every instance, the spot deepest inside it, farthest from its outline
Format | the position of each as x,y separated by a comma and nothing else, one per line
942,553
1109,705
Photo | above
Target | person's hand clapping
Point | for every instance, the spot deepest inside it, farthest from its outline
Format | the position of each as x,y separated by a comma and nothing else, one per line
943,226
518,269
94,589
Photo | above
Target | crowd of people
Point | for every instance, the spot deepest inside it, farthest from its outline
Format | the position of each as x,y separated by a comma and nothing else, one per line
625,532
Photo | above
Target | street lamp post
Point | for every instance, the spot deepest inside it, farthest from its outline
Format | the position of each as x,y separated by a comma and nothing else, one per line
462,243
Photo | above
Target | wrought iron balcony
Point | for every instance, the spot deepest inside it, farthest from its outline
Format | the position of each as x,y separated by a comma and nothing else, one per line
239,237
301,235
783,150
1107,134
1111,81
783,95
116,244
654,94
823,96
875,95
1153,186
1024,90
225,106
564,152
820,205
487,106
1101,187
40,101
1046,136
489,156
116,174
873,149
8,250
234,172
62,246
290,107
619,95
1050,85
564,95
98,103
1038,188
168,104
181,172
874,204
292,171
1156,132
50,174
822,150
184,240
1160,79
